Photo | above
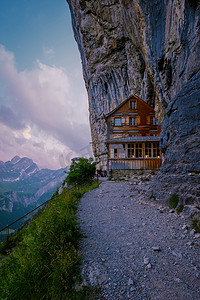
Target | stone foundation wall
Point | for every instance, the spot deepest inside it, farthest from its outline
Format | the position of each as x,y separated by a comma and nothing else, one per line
117,174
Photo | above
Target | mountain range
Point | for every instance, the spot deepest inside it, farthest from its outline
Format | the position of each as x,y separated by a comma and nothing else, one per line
23,186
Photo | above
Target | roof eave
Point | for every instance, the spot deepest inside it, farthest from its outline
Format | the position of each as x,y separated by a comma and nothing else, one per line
123,102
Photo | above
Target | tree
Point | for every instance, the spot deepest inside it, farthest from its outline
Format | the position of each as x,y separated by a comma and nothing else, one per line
81,171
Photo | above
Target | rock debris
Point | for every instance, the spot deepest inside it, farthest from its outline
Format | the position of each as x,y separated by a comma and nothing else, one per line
132,251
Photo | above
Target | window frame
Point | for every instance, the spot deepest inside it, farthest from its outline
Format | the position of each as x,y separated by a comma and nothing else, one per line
131,150
155,150
133,104
135,121
118,151
148,150
152,150
139,150
121,150
153,120
115,121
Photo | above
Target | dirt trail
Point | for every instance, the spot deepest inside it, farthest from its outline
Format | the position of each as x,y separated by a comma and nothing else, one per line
135,250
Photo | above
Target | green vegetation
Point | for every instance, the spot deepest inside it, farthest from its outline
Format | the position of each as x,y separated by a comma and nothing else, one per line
152,197
179,209
173,201
196,225
44,263
81,171
7,245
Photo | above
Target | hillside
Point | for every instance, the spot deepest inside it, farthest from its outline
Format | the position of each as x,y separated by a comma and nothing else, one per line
24,186
44,263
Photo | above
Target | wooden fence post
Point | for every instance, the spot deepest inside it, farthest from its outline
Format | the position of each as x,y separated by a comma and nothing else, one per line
7,232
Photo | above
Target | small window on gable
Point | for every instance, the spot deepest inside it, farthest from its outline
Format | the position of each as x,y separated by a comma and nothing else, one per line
132,121
133,104
153,121
118,122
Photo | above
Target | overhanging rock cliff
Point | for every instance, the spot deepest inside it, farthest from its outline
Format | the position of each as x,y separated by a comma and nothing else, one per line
151,49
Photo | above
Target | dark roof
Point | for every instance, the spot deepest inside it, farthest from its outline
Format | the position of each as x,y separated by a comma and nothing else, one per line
123,102
135,139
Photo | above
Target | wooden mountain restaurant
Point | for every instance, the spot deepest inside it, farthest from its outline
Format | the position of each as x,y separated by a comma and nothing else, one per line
133,136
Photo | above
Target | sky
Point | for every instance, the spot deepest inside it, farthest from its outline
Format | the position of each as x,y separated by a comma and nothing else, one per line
43,100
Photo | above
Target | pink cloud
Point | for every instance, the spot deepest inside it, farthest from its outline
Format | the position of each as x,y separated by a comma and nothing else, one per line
47,101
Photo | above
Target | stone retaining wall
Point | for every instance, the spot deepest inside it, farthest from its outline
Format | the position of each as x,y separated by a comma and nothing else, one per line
117,174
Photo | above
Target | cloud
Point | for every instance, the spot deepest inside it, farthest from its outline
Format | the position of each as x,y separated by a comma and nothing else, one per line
42,106
48,52
9,117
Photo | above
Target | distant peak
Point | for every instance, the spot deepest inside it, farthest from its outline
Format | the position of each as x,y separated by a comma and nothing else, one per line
15,159
26,159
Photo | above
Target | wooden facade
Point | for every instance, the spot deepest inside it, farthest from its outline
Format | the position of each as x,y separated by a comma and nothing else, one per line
133,136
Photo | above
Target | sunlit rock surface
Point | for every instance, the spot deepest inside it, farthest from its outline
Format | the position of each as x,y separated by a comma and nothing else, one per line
151,49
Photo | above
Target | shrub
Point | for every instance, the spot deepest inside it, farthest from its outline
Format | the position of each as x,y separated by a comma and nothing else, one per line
173,201
180,209
81,172
196,225
152,197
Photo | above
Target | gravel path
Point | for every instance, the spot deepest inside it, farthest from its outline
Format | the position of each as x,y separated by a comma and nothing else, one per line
135,250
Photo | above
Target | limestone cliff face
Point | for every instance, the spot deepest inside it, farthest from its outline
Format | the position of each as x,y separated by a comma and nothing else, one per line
147,48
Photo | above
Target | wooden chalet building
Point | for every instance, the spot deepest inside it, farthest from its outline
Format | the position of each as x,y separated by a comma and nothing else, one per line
133,136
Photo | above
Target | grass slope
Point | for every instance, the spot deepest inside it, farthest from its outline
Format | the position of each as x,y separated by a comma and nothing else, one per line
44,263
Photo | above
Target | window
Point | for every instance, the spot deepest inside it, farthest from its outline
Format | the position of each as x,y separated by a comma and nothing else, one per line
113,151
131,151
132,121
156,151
121,150
138,150
132,104
152,150
118,122
148,152
118,151
153,121
134,150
